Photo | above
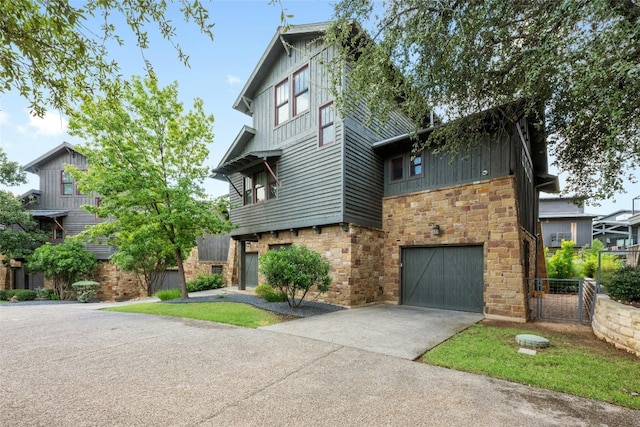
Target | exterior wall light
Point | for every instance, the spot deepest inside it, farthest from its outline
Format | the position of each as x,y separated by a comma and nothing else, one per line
435,229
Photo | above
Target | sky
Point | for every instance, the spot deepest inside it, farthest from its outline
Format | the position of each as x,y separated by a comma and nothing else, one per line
217,73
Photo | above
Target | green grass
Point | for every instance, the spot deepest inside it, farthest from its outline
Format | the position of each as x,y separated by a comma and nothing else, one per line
609,376
222,312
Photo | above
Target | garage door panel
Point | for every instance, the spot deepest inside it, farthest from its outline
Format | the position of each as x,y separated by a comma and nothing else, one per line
448,277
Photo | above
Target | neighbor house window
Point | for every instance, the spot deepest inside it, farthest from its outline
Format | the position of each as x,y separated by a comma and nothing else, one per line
301,91
68,184
55,231
282,102
415,165
397,172
327,133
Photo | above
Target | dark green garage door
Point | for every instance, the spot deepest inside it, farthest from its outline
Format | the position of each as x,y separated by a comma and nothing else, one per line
447,277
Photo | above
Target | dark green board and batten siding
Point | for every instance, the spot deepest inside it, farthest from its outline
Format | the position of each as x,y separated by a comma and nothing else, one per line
443,277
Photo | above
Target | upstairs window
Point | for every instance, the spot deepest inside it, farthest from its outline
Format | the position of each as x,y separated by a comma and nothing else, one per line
282,102
397,172
301,91
327,132
68,185
415,165
260,186
248,190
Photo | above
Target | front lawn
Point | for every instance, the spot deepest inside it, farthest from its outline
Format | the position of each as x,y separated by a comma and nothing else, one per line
576,362
233,313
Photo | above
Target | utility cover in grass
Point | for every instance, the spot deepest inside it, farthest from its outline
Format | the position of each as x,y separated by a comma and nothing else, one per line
532,341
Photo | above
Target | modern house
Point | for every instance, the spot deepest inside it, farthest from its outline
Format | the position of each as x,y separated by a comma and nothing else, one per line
57,206
397,226
562,219
615,229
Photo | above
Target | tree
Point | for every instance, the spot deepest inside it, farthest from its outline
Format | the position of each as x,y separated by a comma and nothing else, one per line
145,159
64,263
578,61
560,265
50,49
19,233
294,271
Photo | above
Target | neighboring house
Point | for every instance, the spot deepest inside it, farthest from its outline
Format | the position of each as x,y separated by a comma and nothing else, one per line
401,227
562,219
57,206
614,230
634,222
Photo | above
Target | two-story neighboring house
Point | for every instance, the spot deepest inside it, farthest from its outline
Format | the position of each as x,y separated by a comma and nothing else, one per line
562,219
397,226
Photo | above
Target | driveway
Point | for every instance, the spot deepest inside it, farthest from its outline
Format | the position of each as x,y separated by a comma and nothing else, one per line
73,365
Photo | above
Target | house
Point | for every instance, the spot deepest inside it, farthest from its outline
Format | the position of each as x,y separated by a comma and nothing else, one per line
399,227
562,219
614,230
57,206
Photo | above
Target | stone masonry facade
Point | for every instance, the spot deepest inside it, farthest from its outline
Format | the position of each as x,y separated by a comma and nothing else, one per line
483,213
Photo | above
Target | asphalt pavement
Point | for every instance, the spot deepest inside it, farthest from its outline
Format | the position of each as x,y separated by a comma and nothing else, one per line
75,365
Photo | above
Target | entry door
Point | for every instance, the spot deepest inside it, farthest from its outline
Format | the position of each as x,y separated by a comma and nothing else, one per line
251,269
446,277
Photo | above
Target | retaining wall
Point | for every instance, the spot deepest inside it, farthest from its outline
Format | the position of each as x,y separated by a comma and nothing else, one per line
617,324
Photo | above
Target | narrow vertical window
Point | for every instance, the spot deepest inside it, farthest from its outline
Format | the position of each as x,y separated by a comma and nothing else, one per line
397,172
260,186
68,186
415,165
282,102
327,132
301,91
248,190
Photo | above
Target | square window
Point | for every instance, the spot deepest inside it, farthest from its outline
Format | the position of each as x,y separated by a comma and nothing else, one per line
415,165
68,185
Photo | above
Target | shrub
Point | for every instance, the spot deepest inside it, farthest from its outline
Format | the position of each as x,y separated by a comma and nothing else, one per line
587,265
269,293
44,293
86,290
168,294
294,271
205,282
6,294
25,295
560,265
624,284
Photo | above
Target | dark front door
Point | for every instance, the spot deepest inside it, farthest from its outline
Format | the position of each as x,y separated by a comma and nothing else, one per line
446,277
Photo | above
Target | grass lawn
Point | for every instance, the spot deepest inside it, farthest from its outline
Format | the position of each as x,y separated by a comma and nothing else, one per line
576,361
233,313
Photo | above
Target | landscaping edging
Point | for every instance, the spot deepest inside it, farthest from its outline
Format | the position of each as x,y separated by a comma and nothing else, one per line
617,324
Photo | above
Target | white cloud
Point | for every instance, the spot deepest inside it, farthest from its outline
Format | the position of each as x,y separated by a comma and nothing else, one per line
51,124
233,80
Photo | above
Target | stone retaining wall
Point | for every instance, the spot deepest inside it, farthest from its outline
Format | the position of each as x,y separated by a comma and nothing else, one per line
617,324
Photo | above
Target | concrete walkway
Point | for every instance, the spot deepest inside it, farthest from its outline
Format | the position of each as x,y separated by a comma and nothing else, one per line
399,331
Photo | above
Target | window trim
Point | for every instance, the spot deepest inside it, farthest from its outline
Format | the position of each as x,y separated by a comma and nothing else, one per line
269,180
296,94
63,182
412,157
391,169
322,127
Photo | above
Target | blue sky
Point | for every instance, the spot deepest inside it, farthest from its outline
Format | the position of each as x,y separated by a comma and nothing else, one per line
218,71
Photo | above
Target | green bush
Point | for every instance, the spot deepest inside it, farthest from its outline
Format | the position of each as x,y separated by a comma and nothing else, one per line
44,293
560,265
86,290
269,293
205,282
168,294
587,265
6,294
25,295
624,284
294,271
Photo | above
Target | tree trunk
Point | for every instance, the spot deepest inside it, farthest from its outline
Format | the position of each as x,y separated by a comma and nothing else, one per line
183,281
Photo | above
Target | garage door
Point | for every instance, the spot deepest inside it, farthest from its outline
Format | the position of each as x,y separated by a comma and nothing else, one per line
447,277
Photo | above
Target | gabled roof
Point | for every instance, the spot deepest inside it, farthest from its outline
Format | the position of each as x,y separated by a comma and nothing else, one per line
277,46
236,159
35,164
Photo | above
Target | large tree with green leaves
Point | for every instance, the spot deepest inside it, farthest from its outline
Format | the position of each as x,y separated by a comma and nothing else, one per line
578,61
145,159
49,49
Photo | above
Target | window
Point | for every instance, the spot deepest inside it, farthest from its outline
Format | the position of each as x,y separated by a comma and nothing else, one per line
68,185
260,186
327,132
282,102
397,172
415,165
55,231
301,91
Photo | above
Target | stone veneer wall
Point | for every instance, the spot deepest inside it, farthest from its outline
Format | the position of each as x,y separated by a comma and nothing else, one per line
484,213
617,324
6,275
355,256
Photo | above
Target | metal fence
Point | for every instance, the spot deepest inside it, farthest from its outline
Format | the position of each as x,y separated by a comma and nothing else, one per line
561,299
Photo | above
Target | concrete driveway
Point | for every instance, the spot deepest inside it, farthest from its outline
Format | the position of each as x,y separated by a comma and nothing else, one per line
73,365
395,330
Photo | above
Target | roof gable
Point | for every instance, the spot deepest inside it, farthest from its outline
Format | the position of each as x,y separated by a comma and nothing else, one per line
277,46
35,165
